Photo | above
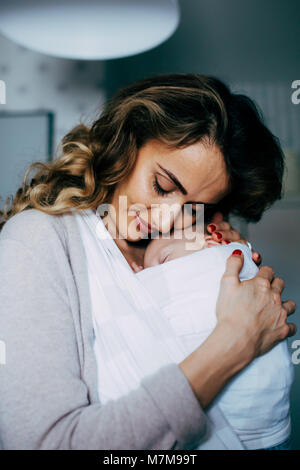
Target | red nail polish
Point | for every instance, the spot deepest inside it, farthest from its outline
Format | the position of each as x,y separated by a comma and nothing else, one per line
227,242
237,252
212,227
219,235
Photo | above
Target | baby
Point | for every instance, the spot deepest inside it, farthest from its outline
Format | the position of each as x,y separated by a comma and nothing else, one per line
161,250
184,280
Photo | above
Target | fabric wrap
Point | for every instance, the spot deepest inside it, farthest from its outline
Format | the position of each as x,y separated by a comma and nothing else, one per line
133,338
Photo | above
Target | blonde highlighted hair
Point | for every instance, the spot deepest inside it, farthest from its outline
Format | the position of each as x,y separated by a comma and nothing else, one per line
177,109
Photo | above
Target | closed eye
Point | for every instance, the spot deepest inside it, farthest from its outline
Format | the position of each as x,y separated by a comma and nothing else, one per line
164,256
158,189
163,192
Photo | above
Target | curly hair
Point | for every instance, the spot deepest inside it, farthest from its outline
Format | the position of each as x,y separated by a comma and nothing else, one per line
177,109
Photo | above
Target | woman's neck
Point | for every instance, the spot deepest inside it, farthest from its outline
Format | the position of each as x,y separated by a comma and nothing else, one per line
133,251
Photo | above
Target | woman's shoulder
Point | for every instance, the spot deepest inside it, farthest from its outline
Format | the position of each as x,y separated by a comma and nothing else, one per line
43,249
33,228
48,243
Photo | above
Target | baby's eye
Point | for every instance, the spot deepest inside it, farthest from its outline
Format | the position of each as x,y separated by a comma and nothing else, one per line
164,255
165,258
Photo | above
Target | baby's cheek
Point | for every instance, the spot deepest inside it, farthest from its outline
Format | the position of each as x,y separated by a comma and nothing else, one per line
178,253
147,262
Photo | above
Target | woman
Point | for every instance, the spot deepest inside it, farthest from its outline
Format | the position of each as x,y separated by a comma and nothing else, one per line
173,139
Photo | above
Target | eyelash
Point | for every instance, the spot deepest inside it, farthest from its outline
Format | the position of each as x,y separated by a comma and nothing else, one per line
159,190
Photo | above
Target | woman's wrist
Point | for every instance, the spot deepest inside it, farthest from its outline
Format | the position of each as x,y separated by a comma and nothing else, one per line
214,362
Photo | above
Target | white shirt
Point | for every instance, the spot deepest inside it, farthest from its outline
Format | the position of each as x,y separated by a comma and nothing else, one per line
256,401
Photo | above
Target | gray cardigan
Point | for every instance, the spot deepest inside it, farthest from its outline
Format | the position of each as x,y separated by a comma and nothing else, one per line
48,386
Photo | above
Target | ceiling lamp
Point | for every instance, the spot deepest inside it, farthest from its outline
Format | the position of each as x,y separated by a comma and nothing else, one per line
89,29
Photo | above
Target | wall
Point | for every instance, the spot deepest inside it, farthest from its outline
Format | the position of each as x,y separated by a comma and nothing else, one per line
72,89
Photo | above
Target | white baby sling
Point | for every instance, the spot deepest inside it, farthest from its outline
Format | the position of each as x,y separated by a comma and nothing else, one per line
132,337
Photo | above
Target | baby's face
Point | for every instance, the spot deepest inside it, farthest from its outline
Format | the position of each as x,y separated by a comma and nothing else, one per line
162,250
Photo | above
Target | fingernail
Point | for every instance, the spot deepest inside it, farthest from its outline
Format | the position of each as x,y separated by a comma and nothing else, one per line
219,235
227,242
237,252
212,227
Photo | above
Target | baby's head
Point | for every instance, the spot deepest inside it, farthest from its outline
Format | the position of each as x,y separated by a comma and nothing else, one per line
161,250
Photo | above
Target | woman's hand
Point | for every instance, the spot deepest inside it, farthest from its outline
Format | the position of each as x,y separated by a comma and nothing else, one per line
253,308
251,320
223,233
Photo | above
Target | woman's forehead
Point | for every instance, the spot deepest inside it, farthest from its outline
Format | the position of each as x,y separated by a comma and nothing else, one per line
198,167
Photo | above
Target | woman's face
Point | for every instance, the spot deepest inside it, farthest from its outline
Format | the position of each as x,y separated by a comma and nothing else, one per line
164,179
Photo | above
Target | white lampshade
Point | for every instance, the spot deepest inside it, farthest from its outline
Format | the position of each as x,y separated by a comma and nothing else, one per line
89,29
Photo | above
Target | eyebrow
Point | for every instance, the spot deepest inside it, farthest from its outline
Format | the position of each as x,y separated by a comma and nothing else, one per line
174,179
180,187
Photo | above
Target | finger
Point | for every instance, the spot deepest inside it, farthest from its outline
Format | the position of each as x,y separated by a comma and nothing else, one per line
217,217
266,272
289,306
222,226
292,329
278,284
234,265
231,235
218,227
212,243
256,257
209,240
242,240
211,228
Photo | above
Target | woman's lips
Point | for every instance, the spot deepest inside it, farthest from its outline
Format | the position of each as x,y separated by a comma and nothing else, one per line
142,225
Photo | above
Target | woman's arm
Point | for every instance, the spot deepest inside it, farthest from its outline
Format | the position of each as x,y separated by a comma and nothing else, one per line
44,401
251,320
